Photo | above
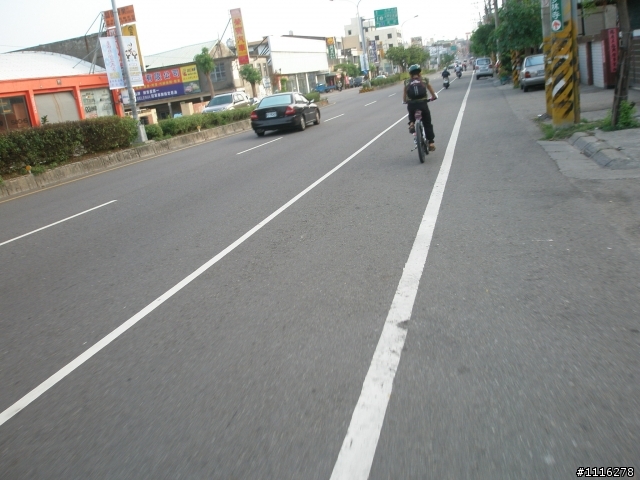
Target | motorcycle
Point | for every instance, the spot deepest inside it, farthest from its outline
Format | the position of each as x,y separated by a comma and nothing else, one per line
459,74
445,83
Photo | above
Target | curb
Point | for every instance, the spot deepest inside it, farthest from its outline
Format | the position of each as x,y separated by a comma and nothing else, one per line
601,152
29,183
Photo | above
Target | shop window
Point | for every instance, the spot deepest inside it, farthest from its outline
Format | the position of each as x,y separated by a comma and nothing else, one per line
97,103
13,114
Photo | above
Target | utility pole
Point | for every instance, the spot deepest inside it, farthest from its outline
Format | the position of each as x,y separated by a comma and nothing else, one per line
546,49
142,133
497,22
565,76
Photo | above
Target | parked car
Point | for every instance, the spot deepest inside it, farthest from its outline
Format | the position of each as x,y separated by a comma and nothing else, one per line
324,88
283,111
357,81
227,101
532,72
483,68
379,77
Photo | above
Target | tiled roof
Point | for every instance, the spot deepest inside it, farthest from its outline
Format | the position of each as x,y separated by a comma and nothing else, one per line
20,65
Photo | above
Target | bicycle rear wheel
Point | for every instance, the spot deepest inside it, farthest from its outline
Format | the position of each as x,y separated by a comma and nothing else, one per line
422,153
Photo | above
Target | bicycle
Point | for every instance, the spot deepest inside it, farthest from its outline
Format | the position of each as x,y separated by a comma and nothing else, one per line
420,138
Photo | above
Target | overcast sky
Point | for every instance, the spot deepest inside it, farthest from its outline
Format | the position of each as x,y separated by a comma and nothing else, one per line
165,25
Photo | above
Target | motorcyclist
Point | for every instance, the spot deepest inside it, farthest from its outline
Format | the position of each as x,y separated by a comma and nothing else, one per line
415,96
458,70
445,73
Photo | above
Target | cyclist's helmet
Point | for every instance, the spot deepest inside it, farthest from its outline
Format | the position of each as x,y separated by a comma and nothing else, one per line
415,69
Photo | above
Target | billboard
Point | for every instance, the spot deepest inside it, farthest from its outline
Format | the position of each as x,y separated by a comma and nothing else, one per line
166,83
241,41
291,55
125,15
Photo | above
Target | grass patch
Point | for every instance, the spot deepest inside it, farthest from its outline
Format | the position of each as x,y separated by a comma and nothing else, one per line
552,133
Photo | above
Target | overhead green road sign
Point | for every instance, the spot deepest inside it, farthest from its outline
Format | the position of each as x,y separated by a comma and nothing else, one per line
386,17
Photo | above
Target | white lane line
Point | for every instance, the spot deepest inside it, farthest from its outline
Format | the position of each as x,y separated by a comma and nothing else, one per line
75,363
359,446
329,119
371,103
392,94
56,223
261,145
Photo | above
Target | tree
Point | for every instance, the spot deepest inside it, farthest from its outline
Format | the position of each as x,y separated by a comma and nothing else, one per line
446,59
621,92
520,25
351,69
205,63
482,42
406,56
251,75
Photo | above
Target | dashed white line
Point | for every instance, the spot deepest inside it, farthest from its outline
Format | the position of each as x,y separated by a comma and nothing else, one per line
359,446
56,223
392,95
332,118
261,145
38,391
371,103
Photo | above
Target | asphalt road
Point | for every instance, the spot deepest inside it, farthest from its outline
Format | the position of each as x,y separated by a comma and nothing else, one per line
521,356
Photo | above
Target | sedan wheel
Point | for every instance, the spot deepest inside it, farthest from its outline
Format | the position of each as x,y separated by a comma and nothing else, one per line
260,132
317,120
525,88
303,123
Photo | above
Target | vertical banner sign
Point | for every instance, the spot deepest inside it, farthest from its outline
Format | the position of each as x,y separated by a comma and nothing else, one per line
131,31
373,51
331,47
125,15
112,62
556,15
131,57
241,41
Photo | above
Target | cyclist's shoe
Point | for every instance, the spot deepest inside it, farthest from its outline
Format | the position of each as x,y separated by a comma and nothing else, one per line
412,127
415,140
432,147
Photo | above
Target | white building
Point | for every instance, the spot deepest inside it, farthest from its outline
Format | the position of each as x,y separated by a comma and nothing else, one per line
384,38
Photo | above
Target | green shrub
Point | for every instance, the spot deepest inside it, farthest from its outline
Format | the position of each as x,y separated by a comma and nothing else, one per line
58,142
168,126
627,118
108,133
154,131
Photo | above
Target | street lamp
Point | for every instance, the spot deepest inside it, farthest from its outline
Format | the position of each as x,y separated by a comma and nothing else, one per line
365,60
416,16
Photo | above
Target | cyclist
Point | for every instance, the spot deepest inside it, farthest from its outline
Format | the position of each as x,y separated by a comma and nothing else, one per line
415,96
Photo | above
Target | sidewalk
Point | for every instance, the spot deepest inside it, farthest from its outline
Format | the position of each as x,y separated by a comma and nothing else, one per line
600,155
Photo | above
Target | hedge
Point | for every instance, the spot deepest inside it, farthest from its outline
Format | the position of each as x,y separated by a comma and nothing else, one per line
59,142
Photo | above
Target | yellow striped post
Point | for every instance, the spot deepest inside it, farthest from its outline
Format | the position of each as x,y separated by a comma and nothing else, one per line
565,80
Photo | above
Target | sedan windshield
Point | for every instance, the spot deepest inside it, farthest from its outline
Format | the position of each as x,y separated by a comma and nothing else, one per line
221,100
276,100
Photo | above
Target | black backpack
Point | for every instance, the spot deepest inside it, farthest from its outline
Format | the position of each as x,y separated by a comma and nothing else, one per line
416,89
